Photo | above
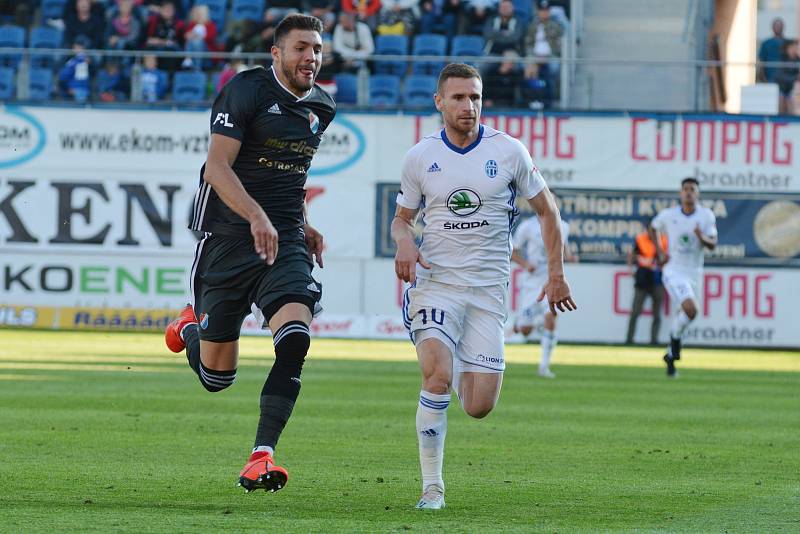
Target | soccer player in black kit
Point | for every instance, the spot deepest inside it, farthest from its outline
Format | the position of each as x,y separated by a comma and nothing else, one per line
257,249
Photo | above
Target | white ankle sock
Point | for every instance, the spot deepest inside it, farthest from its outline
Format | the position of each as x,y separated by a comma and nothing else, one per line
264,448
431,431
679,325
548,343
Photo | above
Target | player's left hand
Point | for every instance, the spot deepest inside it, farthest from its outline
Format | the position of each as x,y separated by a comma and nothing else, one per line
558,295
314,242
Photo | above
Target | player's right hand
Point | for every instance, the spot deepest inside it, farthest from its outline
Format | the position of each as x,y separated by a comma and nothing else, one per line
265,238
406,259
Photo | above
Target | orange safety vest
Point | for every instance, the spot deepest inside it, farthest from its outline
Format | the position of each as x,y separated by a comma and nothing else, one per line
647,249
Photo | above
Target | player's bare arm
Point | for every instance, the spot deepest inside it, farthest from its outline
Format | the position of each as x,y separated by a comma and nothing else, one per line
222,152
520,260
407,257
313,238
710,242
556,289
662,257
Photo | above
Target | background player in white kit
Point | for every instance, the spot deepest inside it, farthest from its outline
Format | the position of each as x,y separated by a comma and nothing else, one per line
690,228
465,178
530,253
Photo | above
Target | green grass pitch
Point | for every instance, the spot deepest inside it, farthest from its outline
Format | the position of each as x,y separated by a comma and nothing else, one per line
110,432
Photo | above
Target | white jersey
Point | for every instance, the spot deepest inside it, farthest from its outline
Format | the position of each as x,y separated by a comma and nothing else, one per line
467,199
685,249
528,240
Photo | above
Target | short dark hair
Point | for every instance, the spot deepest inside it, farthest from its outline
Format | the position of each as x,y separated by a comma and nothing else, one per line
456,70
690,180
296,21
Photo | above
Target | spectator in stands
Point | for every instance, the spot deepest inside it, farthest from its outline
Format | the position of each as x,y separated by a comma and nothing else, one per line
284,7
200,36
331,66
74,78
503,31
536,90
84,21
352,40
502,81
364,10
398,17
439,16
124,30
475,14
153,82
543,41
324,10
112,84
261,38
788,76
771,50
165,32
18,12
231,69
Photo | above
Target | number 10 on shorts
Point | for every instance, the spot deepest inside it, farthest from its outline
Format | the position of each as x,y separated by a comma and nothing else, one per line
438,319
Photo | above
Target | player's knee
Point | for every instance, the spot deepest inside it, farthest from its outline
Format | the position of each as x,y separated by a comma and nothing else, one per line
214,380
292,341
690,310
478,411
437,383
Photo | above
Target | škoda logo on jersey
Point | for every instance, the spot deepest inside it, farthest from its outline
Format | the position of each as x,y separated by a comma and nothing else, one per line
463,202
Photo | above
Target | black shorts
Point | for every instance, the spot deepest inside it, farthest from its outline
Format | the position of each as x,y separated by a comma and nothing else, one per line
228,279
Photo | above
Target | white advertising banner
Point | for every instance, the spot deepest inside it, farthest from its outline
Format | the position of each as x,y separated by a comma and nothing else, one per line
94,205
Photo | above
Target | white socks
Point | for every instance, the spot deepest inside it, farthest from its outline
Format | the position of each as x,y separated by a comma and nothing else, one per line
548,343
264,448
431,431
679,325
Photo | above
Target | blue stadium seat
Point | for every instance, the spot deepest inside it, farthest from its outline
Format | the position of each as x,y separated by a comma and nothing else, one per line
384,90
429,44
40,84
395,45
7,83
189,86
346,88
216,9
45,37
467,45
247,10
53,9
418,90
13,37
523,9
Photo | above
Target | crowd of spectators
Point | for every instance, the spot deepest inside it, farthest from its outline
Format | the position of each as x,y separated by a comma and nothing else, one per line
510,29
780,49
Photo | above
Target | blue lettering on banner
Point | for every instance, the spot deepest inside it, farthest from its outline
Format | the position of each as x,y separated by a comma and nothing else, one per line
344,143
22,137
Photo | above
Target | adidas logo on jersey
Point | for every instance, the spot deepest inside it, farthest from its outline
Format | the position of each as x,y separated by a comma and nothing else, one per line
275,109
434,168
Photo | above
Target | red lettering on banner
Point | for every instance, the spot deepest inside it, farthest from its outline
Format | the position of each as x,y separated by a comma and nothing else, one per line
516,273
619,275
698,139
756,142
331,327
635,139
737,291
570,140
390,327
660,156
417,129
493,121
769,312
787,158
515,127
534,137
401,288
708,293
727,139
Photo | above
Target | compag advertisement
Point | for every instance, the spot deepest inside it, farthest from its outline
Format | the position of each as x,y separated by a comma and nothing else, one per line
94,207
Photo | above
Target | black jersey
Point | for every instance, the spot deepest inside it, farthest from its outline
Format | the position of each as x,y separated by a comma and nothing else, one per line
280,135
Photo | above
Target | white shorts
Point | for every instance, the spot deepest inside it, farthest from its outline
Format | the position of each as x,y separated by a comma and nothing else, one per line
469,320
681,286
531,313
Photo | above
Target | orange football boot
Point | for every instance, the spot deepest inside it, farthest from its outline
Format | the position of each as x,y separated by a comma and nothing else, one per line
260,472
172,335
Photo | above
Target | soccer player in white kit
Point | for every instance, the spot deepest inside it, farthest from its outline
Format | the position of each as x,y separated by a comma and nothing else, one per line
690,228
465,179
531,254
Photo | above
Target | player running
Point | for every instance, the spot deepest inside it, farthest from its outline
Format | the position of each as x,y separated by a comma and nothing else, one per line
690,228
257,248
465,180
530,253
